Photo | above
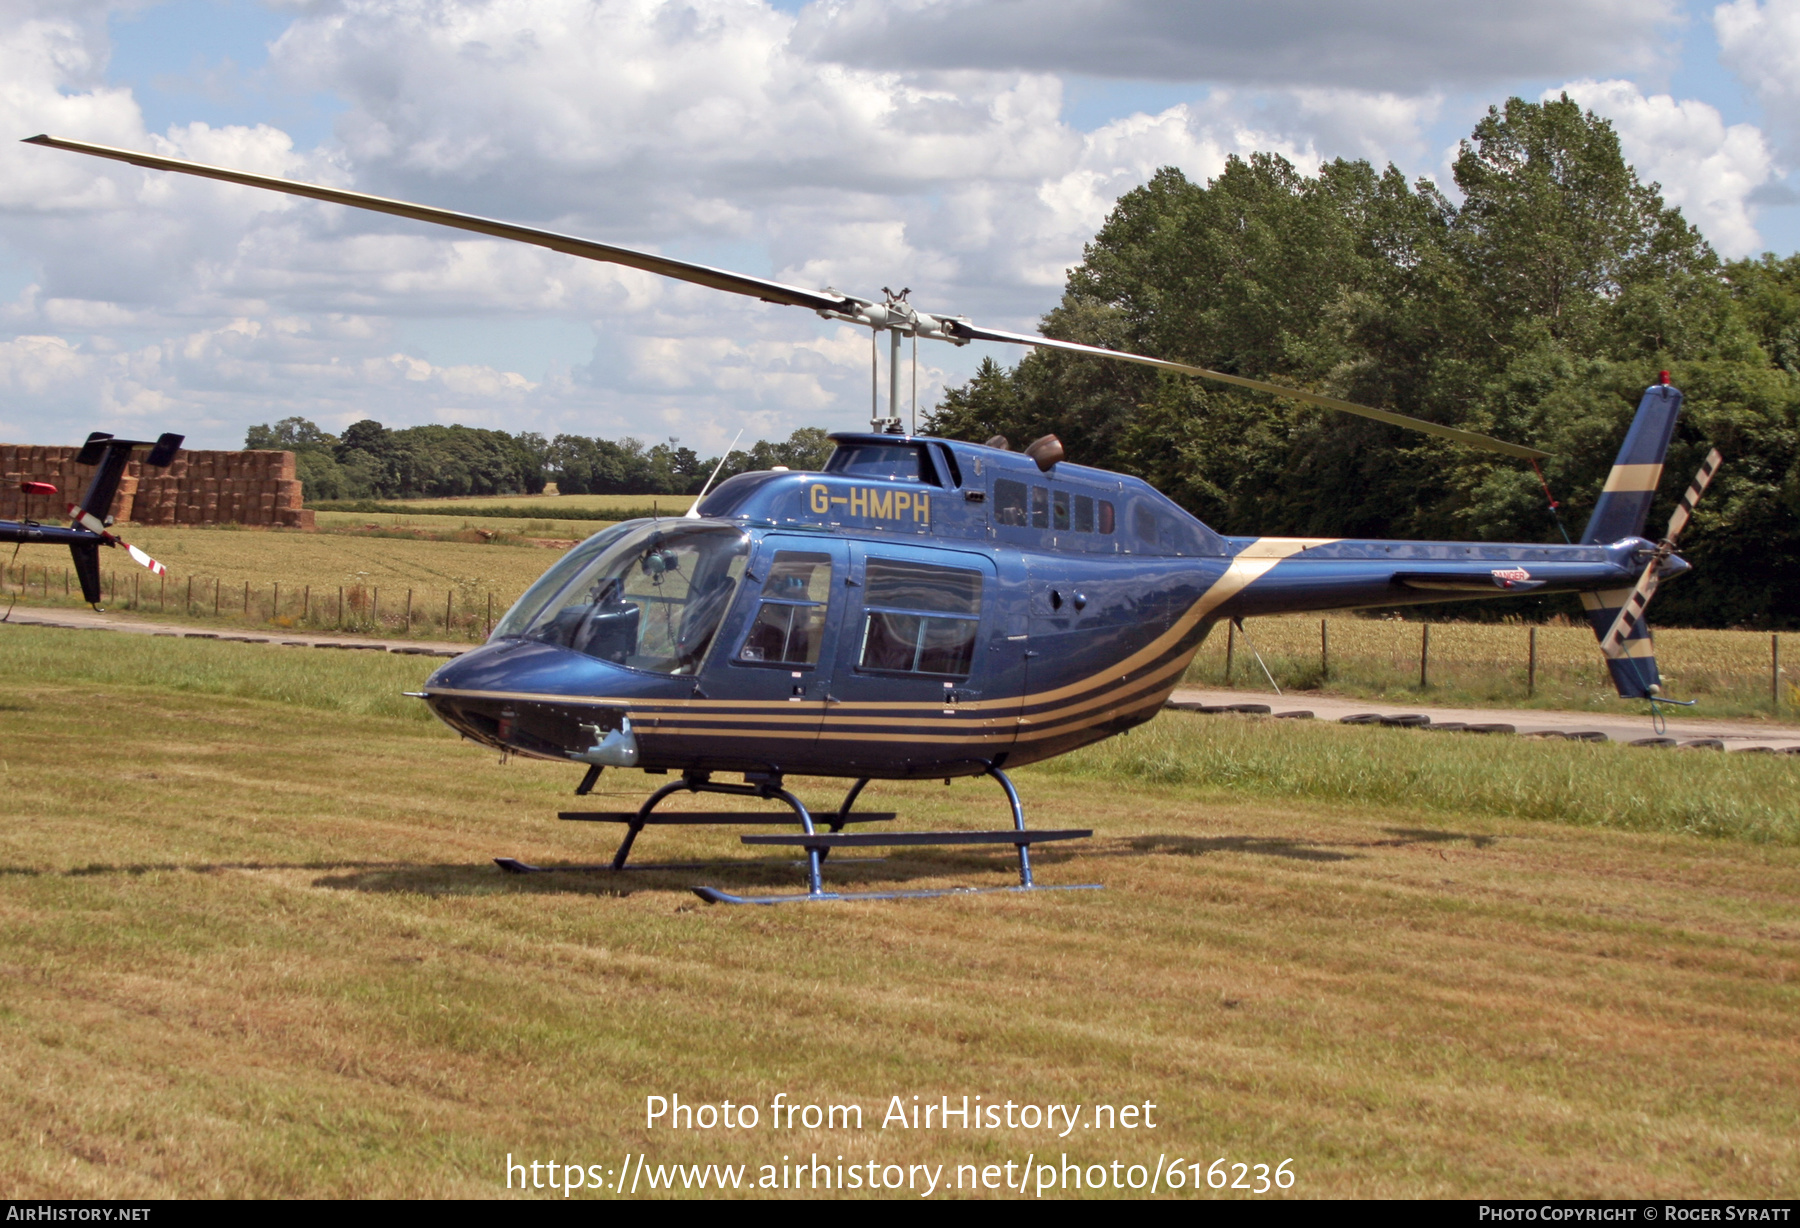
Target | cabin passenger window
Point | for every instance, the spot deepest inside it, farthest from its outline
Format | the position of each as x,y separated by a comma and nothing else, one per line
1040,508
1009,502
791,619
1143,522
1084,514
1106,516
921,619
1059,510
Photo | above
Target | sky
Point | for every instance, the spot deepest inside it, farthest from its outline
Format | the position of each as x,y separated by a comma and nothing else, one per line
965,149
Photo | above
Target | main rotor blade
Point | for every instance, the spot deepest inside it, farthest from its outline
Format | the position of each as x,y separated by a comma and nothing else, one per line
681,270
1473,440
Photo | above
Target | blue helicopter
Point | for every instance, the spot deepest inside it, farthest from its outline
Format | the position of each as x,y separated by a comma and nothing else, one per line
930,608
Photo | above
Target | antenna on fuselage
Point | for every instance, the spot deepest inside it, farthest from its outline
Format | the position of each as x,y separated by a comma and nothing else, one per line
693,513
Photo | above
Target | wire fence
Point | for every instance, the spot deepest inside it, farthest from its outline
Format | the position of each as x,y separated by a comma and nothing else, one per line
1549,664
462,613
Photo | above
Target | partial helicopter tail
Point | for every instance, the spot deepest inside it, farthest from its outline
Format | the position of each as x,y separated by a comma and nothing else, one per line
109,456
1618,615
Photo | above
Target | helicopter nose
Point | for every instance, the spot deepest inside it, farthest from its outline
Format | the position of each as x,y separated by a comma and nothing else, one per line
535,699
525,667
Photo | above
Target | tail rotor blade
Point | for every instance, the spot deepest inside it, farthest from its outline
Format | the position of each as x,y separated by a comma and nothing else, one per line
1684,510
1632,612
1612,644
144,560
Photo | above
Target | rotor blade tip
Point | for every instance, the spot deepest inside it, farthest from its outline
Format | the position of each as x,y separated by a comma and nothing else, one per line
42,138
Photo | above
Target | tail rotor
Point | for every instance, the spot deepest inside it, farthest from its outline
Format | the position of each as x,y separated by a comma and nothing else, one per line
1629,624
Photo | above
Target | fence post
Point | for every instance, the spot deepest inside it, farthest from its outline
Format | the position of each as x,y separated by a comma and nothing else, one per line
190,596
340,617
1775,670
448,597
409,611
375,606
216,584
490,617
1324,653
1424,656
306,605
275,606
1230,644
1531,664
137,591
162,593
246,598
65,581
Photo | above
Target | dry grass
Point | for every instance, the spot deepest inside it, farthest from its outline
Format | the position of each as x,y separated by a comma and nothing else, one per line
670,504
1486,664
256,947
449,522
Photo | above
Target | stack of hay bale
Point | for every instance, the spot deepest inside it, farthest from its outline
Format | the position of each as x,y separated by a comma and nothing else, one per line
248,488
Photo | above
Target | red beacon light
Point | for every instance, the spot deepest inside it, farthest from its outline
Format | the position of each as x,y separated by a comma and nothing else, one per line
37,488
1663,378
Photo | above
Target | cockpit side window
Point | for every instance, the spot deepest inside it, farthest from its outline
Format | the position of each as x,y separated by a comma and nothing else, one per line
790,622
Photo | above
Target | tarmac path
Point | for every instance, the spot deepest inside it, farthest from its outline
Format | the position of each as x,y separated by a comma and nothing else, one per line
1625,725
93,620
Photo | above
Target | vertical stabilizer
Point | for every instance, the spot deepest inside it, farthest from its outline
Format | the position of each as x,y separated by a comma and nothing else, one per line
1621,512
1625,502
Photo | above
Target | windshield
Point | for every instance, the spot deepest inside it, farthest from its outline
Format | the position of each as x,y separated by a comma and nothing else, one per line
552,582
650,598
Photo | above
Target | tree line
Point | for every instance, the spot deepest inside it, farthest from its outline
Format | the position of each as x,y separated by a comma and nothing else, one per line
1535,308
371,461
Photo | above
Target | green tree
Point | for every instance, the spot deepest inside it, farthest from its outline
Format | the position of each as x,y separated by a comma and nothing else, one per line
1535,310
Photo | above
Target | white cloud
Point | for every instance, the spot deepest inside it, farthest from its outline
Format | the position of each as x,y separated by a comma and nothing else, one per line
1708,169
1760,43
1365,45
698,126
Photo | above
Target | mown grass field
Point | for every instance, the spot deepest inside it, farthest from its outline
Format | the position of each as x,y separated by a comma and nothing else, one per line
253,945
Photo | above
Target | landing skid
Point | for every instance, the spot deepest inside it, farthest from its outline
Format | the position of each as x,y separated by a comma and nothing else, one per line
512,865
712,895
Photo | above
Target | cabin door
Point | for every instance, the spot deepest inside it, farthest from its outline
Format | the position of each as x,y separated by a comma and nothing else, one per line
909,688
770,679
